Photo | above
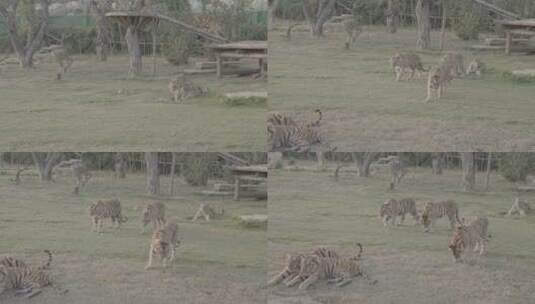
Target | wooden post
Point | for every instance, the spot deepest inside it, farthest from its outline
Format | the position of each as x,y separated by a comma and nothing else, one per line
218,64
237,185
508,42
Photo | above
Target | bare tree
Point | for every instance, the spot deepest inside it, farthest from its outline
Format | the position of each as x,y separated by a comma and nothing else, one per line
103,39
437,162
120,165
272,8
363,161
321,159
423,18
153,173
45,163
469,171
317,12
443,25
392,15
25,47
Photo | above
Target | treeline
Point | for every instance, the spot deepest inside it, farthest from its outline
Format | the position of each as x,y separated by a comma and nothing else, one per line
514,166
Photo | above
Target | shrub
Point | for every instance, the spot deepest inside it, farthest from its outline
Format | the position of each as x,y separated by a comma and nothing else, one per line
515,166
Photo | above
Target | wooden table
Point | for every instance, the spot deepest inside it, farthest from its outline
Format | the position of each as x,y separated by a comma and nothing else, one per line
524,28
238,50
247,173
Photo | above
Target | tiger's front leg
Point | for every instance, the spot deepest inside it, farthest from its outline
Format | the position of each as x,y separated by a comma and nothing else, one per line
276,279
402,219
290,278
293,282
309,281
344,282
149,264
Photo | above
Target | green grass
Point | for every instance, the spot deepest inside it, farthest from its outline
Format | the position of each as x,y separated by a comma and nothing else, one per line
217,262
96,108
366,109
308,208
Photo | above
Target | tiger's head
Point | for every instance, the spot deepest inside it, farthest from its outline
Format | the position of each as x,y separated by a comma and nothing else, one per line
425,218
310,264
146,216
293,262
383,211
457,242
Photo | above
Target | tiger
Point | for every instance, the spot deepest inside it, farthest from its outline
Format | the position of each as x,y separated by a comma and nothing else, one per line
476,66
208,23
336,269
290,274
209,211
439,77
153,213
103,209
433,211
353,31
182,88
473,235
163,244
401,63
519,207
454,63
16,275
284,133
392,208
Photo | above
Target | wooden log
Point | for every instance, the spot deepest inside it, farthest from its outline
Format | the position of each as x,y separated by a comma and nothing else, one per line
243,98
254,220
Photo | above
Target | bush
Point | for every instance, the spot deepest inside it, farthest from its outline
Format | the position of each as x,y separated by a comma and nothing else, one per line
468,26
197,168
515,166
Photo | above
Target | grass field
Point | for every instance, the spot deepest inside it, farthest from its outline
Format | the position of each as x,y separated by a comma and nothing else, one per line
308,208
97,108
366,109
217,262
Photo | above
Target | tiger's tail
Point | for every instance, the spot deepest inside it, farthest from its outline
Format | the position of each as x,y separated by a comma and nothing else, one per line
46,265
359,254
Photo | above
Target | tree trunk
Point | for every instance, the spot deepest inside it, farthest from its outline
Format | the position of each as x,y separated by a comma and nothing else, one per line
45,163
423,11
317,13
132,41
120,165
272,8
173,165
443,25
103,38
321,159
363,161
469,171
392,16
437,163
25,49
153,173
487,175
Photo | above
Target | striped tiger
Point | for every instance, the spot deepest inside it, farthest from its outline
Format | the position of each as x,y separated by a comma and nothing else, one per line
153,213
392,208
163,244
336,269
473,235
106,209
433,211
290,274
16,275
284,133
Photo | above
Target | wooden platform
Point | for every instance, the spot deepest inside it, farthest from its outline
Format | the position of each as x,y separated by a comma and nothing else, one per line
256,50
